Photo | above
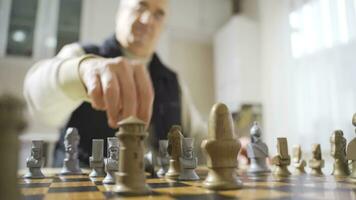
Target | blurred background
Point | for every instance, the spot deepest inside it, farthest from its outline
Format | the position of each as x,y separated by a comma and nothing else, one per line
290,64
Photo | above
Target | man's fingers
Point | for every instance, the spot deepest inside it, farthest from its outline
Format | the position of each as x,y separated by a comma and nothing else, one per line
127,90
96,94
145,94
111,92
94,90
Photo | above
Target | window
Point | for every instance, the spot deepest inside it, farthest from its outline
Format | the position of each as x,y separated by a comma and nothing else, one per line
21,27
320,24
69,22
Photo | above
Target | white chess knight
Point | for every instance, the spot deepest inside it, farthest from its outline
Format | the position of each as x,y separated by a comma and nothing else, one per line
257,151
35,161
188,161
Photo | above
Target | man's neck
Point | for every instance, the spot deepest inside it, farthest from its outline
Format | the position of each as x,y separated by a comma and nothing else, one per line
129,55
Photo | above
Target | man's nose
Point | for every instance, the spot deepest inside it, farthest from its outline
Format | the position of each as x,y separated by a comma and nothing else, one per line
146,18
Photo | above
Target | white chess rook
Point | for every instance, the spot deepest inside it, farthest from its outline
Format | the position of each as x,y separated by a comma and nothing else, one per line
96,161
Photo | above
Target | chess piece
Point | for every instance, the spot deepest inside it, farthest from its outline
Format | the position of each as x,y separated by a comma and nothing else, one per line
350,152
96,161
131,179
149,163
316,163
257,152
35,161
12,123
282,160
221,149
163,158
112,162
188,161
338,152
298,163
175,151
71,161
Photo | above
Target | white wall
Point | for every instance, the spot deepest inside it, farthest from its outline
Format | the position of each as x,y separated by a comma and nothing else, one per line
237,62
194,63
304,99
276,77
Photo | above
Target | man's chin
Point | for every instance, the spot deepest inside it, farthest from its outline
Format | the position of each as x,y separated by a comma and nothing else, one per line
140,43
138,49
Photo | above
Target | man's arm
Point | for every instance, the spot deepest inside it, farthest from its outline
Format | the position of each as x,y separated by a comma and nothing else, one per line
52,87
56,87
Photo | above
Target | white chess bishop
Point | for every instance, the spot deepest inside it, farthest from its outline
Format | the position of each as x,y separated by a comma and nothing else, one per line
257,152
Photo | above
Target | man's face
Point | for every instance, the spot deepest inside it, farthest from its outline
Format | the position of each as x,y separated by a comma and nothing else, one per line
139,24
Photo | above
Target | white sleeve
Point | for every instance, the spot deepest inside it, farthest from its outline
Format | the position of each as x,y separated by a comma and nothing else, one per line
192,123
47,95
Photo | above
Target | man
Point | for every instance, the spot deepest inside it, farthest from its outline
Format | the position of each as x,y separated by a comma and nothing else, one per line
93,87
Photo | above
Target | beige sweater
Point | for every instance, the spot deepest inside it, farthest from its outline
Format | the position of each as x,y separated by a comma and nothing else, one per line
53,90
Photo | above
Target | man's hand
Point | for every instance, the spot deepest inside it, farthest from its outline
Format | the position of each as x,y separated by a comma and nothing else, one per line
120,88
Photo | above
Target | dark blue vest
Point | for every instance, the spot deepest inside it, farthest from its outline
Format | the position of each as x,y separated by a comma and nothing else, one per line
92,124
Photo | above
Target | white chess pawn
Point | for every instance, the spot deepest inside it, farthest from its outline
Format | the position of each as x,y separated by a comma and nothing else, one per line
188,161
257,152
112,162
35,161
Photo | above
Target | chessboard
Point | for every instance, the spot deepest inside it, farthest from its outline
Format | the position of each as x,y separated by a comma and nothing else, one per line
268,187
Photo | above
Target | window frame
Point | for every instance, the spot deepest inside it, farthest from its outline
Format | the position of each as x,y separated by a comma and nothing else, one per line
5,11
46,26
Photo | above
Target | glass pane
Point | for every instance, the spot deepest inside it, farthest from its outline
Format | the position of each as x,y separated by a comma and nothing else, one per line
21,27
69,22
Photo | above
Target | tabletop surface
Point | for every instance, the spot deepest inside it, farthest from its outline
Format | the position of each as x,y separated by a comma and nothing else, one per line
268,187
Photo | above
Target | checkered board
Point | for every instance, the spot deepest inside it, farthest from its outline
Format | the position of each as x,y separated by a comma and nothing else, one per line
269,187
